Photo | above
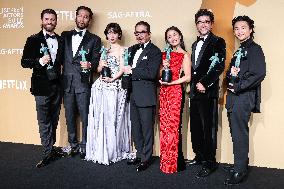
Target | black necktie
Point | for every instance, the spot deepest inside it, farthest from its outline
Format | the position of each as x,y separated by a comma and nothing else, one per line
80,33
49,36
141,46
200,39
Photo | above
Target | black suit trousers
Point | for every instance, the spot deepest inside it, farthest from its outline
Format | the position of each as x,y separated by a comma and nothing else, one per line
48,109
203,128
142,126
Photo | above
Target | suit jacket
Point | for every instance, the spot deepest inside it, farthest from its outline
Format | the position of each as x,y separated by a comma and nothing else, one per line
199,71
71,65
247,85
40,84
145,75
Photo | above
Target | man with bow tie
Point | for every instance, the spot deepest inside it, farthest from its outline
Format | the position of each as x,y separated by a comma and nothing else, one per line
43,53
144,63
81,58
208,57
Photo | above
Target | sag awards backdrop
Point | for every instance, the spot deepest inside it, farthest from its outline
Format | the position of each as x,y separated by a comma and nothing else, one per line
21,18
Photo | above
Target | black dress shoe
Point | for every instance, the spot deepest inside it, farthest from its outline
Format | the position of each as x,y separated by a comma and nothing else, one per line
57,152
134,161
206,171
228,168
195,161
44,162
82,155
74,151
236,178
142,166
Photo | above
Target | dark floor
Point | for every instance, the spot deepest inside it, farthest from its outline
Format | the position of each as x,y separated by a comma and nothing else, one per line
17,170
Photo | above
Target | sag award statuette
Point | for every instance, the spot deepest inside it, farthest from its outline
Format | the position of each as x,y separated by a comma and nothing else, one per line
167,73
105,70
51,74
126,78
85,72
238,54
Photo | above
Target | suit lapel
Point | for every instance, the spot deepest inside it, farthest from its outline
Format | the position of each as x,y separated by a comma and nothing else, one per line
132,50
144,52
193,54
60,46
84,41
203,48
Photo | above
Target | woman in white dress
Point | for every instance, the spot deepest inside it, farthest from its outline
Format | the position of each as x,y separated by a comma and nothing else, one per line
108,134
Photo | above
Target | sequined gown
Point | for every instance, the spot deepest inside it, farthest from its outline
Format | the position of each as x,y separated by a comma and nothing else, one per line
108,132
171,105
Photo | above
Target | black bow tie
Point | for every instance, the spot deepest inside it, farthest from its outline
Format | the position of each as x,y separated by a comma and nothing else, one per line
50,36
200,39
141,46
80,33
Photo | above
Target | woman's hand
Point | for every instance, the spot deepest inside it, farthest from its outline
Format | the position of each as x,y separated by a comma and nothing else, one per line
103,63
166,63
164,83
107,79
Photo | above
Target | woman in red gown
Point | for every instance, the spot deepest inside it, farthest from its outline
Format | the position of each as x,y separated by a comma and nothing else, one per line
171,103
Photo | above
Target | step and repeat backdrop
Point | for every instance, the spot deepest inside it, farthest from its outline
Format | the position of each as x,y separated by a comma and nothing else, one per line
21,18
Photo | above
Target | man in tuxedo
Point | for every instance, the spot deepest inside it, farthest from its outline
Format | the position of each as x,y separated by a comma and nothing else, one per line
144,63
208,57
81,57
43,53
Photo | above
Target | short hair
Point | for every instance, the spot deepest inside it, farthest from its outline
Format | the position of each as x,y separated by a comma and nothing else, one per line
248,20
115,27
179,32
85,8
146,24
48,11
204,12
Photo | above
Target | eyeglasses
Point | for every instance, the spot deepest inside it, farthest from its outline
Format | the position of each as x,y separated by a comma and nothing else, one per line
204,22
136,33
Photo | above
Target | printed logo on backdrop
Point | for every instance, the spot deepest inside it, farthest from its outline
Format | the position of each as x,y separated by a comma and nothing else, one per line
10,51
13,84
65,15
12,17
128,14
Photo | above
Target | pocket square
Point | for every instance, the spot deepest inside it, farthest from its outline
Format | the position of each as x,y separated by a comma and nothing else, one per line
144,58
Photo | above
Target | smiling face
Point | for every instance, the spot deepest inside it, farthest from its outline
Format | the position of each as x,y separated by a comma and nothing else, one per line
82,19
112,36
173,38
49,22
204,25
242,30
141,34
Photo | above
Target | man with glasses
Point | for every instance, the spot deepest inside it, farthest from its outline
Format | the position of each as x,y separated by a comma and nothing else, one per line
144,63
208,57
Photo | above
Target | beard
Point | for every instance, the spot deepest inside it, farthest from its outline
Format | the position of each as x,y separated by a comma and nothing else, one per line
49,27
81,26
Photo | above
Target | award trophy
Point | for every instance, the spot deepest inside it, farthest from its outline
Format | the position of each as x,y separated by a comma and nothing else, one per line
51,74
239,54
85,72
105,70
126,78
167,72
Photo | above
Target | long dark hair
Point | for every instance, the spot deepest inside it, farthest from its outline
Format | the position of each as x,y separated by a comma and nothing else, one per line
179,32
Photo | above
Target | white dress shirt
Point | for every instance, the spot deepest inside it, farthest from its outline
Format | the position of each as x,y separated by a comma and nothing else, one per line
137,55
52,45
76,40
198,48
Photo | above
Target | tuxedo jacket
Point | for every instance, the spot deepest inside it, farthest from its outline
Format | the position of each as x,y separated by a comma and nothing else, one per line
71,65
40,84
247,85
199,70
145,75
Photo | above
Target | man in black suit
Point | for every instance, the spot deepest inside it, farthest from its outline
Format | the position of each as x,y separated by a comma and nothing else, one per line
145,60
247,71
81,57
208,57
43,54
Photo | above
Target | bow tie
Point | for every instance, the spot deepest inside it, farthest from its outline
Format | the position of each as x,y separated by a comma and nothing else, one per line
80,33
50,36
200,39
141,46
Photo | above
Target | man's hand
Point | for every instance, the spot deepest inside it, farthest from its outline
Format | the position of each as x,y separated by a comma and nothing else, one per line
200,87
85,65
234,71
127,69
46,59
